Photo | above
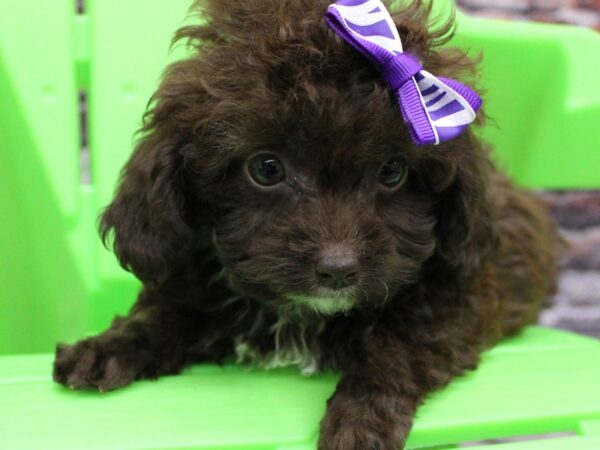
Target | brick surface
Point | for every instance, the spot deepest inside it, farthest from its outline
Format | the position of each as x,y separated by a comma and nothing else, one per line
578,12
577,304
574,210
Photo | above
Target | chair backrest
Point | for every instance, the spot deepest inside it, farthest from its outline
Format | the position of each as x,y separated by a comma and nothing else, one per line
56,280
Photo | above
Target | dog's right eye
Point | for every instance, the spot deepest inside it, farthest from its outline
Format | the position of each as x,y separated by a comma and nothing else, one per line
266,170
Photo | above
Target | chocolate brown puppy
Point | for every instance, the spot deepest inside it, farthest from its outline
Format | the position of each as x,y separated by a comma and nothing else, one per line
278,213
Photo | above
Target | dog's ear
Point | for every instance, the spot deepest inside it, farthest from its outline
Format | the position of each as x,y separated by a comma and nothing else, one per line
155,216
459,179
455,173
147,218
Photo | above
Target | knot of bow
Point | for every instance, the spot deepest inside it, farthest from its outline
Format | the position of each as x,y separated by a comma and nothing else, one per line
435,109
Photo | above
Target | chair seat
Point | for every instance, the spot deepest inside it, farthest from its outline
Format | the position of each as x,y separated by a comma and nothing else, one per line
544,381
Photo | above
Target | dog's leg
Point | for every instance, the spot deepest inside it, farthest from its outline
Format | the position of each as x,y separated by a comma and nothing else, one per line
149,342
376,398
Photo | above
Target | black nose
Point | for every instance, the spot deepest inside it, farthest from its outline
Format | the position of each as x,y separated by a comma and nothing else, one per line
337,267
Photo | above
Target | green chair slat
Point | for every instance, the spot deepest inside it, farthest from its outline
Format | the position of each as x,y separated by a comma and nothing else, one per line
540,390
42,205
37,64
526,393
537,80
125,67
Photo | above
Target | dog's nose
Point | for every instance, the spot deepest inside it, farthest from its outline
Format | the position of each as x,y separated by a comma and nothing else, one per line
337,267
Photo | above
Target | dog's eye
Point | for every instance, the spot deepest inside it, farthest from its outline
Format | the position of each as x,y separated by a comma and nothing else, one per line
392,173
266,170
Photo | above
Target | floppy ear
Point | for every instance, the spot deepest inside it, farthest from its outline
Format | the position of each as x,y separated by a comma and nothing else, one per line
465,230
455,173
147,218
154,217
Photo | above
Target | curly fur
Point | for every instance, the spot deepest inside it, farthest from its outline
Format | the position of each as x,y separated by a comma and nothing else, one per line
450,263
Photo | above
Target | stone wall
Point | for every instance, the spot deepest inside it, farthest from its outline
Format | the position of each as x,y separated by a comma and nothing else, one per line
580,12
577,304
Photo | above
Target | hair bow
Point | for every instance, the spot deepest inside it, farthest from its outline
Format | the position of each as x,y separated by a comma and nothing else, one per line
436,109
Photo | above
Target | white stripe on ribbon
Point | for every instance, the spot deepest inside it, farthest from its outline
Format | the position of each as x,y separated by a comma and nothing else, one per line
459,118
361,15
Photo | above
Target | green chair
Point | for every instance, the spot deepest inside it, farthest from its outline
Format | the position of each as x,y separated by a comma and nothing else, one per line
57,283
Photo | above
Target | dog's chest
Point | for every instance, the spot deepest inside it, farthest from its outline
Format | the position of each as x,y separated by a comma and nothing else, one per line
288,343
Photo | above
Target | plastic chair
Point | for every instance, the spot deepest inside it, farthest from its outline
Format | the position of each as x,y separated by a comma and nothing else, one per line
57,283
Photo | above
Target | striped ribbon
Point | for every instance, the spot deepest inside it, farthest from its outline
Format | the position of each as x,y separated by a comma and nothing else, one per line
436,109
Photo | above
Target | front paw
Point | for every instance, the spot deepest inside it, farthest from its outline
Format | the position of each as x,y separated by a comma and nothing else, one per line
98,363
352,436
350,424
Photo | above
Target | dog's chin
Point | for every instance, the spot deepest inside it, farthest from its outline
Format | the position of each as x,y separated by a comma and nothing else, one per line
327,301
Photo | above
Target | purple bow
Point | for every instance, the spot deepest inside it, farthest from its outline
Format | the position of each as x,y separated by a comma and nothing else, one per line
435,109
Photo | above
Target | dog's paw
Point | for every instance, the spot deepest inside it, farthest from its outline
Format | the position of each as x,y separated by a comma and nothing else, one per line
352,436
350,425
97,363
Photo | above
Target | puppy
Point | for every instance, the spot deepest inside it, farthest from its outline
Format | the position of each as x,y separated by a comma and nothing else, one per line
277,212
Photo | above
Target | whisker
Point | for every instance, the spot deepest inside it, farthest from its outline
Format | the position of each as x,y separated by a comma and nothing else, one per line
365,292
387,291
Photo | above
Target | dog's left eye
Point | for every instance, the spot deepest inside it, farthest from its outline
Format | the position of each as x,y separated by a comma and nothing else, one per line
392,173
266,170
